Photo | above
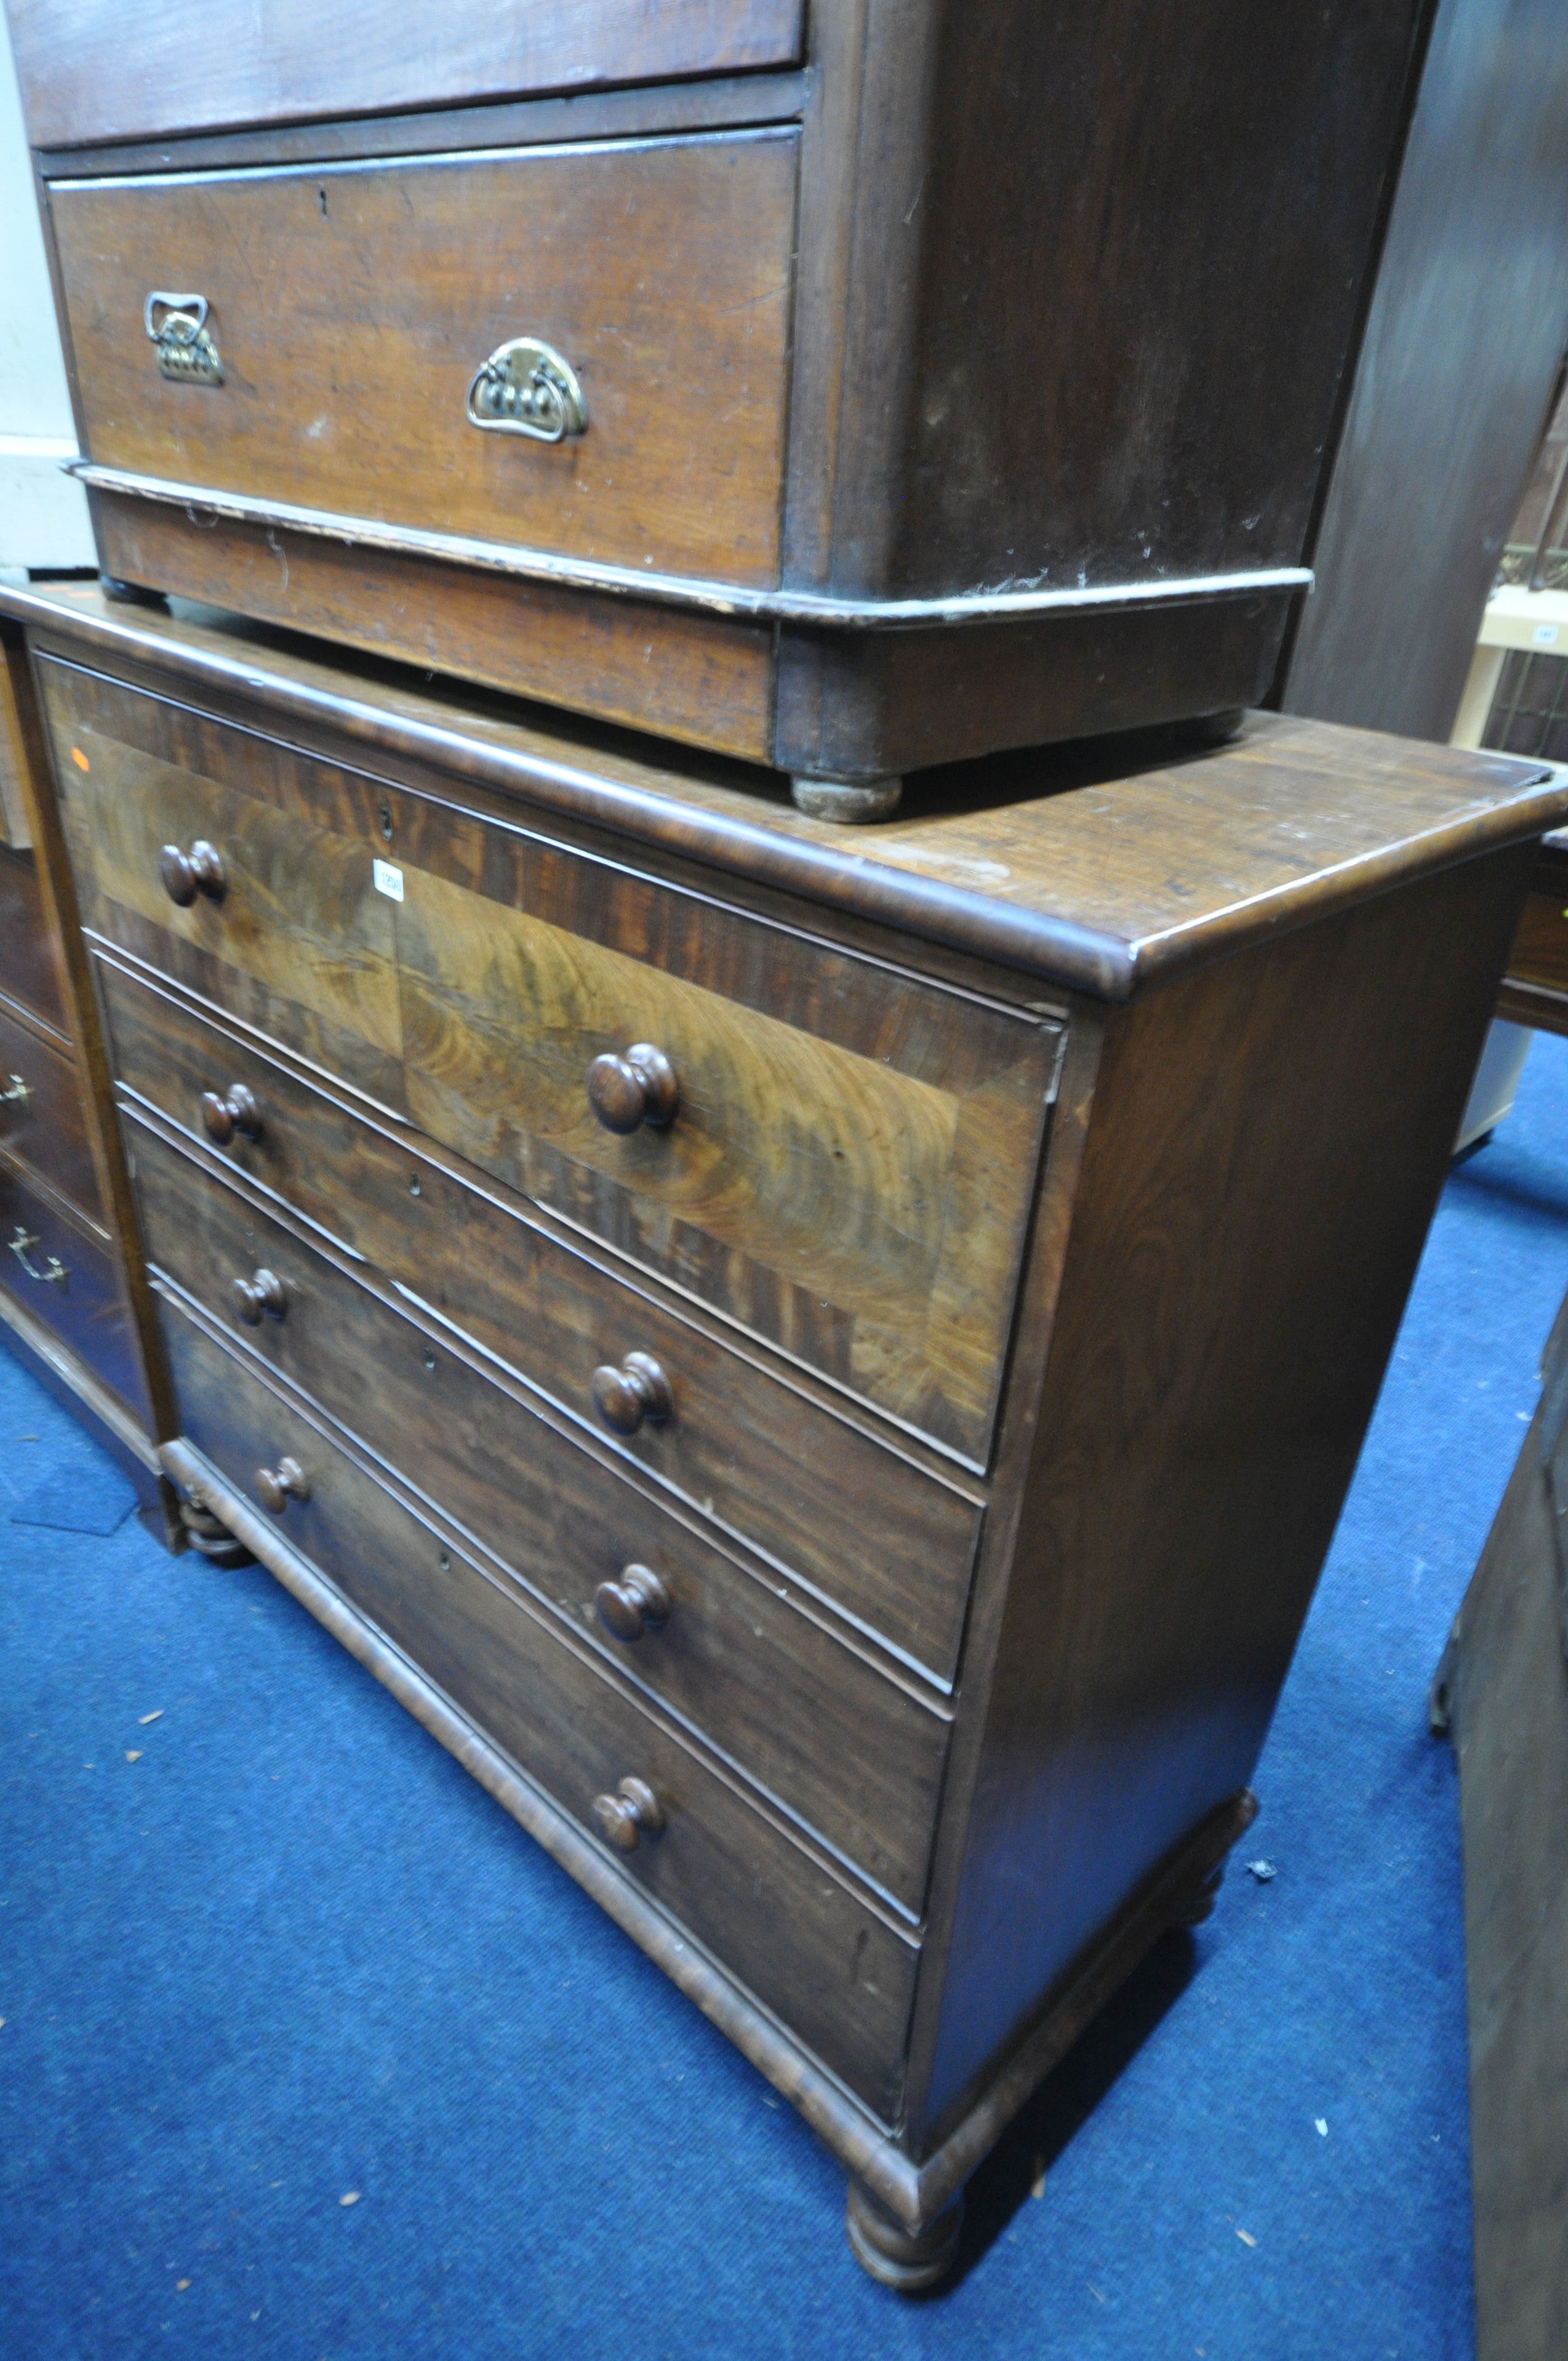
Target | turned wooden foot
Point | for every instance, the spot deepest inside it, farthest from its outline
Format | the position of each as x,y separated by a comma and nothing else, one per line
905,2259
1214,728
210,1537
853,803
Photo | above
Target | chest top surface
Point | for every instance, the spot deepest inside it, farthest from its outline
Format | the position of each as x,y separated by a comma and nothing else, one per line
1095,868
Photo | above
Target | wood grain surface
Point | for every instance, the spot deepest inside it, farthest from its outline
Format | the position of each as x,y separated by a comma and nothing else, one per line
47,1132
711,684
29,965
869,1529
1266,1144
94,69
1176,851
353,303
737,1661
832,1967
851,1165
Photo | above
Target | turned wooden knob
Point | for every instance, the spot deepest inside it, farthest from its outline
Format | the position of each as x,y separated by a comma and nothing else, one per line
632,1813
636,1602
638,1390
186,874
263,1292
278,1486
639,1086
234,1109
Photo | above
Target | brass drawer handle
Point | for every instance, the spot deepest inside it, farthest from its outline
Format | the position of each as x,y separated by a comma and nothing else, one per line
185,350
638,1390
231,1111
263,1293
278,1486
636,1603
22,1245
526,387
18,1095
186,874
637,1087
632,1813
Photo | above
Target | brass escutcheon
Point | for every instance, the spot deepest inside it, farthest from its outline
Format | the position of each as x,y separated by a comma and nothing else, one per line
526,388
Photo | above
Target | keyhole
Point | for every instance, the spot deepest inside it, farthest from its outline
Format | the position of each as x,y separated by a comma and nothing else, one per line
429,1359
387,822
414,1189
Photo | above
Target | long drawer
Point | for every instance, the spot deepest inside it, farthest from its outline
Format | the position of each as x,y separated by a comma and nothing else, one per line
350,308
66,1275
851,1156
43,1117
735,1658
867,1527
832,1968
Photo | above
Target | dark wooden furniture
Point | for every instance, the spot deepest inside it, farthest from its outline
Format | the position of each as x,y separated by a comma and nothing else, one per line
1502,1694
1535,982
849,390
74,1298
823,1369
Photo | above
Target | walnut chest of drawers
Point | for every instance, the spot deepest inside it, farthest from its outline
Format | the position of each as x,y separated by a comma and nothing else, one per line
850,388
825,1375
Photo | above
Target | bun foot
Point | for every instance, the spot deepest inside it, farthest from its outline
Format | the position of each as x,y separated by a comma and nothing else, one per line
896,2257
209,1537
1214,728
132,594
853,803
1198,1903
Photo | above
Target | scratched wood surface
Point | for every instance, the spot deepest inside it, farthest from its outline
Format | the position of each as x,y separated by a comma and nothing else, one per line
737,1661
131,69
850,1167
830,1966
353,303
867,1527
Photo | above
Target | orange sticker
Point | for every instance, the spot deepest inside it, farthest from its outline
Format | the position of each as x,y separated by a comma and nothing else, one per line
80,758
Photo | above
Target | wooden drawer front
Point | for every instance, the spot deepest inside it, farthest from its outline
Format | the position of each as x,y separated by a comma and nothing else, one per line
867,1528
850,1172
760,1680
831,1967
47,1129
30,963
1540,955
94,69
86,1308
352,304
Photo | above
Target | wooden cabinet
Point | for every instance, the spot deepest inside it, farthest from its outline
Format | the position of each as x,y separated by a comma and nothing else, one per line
823,1369
73,1299
849,390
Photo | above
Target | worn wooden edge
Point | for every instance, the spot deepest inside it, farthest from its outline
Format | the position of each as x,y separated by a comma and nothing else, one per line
914,2193
738,101
731,599
1082,958
1536,1004
89,1390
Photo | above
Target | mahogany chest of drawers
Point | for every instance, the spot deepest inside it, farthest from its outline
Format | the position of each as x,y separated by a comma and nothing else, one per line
70,1297
823,1369
847,389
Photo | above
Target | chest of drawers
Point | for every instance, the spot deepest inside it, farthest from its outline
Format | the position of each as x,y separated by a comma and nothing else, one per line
825,1377
71,1299
849,390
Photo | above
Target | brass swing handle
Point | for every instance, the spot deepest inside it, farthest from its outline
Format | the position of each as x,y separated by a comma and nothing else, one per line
526,387
22,1245
179,337
16,1094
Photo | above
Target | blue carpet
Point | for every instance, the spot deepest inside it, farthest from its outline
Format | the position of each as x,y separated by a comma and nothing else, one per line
291,1952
